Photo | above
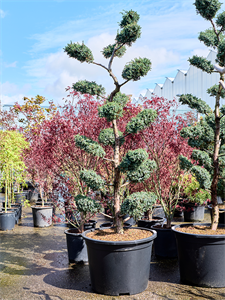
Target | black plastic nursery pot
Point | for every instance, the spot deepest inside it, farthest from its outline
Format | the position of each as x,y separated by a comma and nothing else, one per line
42,216
193,213
110,225
16,213
88,225
119,268
178,213
221,214
201,258
158,212
20,197
18,206
165,243
130,221
7,220
76,247
48,203
148,223
29,194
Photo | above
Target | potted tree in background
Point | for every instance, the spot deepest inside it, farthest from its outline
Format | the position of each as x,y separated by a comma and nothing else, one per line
30,115
164,145
194,199
54,163
12,145
201,248
138,203
86,208
108,276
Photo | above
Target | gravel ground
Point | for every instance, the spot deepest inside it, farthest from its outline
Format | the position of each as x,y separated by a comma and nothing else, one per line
34,265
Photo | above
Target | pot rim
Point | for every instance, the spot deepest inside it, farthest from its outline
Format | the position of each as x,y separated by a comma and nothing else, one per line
38,207
91,221
72,233
194,235
122,243
153,219
126,225
18,193
7,212
193,204
161,228
220,209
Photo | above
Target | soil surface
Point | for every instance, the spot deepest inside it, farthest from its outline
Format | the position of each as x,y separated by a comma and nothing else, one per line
110,235
204,230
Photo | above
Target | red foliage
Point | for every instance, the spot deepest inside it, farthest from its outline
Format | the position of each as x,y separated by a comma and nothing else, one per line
53,152
164,144
8,119
55,162
53,159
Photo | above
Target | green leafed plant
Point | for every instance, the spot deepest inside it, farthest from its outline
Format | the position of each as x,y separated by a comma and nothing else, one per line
12,167
192,192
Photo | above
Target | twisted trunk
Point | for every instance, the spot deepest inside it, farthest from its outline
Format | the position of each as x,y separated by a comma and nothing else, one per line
117,177
215,208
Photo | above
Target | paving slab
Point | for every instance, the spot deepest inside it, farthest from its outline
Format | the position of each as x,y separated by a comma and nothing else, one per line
34,265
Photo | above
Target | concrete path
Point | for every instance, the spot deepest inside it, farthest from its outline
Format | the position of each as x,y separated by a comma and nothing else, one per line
34,265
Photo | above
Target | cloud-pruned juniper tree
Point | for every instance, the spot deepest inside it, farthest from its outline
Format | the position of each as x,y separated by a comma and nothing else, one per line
134,166
207,137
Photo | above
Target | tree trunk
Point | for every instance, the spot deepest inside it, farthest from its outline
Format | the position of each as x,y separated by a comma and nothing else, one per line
6,196
81,227
117,177
149,214
215,209
168,223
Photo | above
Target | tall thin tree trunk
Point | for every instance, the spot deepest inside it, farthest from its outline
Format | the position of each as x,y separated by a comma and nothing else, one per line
6,195
117,177
215,209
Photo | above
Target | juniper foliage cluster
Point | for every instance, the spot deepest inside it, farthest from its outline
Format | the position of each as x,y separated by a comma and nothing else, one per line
86,204
137,203
89,145
141,121
89,87
107,138
93,180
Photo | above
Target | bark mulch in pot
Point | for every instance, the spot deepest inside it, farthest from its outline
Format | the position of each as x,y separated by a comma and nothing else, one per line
201,229
110,235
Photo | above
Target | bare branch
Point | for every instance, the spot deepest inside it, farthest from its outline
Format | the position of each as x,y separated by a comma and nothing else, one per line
221,82
125,82
112,160
121,137
106,215
222,154
215,30
219,68
100,65
125,184
112,56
